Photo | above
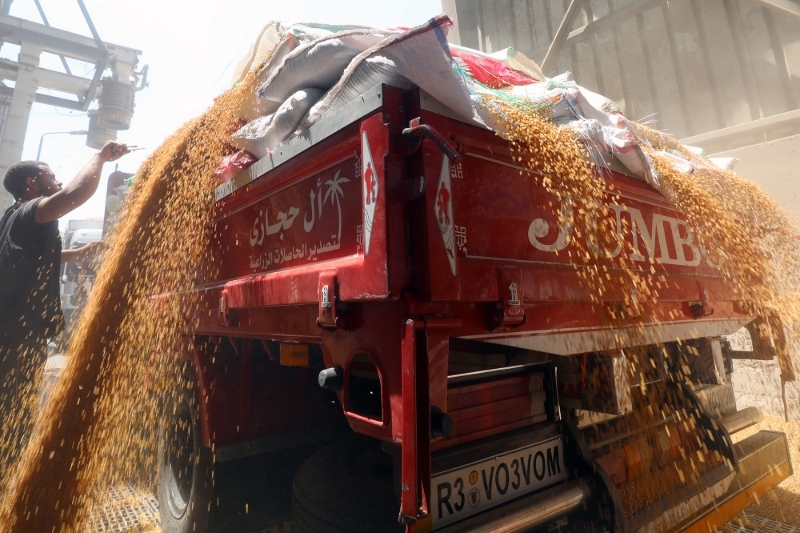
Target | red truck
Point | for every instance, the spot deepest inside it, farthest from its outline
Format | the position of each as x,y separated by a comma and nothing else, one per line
393,305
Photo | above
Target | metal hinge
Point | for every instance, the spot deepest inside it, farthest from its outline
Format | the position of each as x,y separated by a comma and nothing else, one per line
508,311
330,316
226,316
702,307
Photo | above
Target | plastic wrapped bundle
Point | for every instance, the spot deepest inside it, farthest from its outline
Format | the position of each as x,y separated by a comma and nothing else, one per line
265,133
494,72
233,164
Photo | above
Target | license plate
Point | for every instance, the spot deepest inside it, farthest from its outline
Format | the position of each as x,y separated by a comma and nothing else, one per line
470,489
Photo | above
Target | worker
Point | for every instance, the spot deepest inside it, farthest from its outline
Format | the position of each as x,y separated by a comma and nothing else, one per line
30,258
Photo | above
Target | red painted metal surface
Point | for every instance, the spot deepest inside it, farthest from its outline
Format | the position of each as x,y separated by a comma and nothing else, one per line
503,218
330,248
315,220
410,493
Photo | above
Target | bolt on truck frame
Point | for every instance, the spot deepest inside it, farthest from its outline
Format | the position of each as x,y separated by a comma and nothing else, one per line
389,303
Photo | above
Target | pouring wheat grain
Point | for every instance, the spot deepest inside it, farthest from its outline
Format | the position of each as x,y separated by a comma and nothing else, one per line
100,425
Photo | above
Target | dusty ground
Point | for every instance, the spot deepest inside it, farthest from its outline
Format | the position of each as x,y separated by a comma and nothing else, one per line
758,384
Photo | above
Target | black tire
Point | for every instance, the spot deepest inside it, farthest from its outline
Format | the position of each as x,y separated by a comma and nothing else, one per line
185,466
346,487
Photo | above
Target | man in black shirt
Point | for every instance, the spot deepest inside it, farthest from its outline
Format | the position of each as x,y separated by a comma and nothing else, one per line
30,256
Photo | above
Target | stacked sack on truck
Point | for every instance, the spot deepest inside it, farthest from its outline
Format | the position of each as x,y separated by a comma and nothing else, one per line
312,70
315,70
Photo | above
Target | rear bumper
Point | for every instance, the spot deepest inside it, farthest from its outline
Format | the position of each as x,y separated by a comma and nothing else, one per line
763,462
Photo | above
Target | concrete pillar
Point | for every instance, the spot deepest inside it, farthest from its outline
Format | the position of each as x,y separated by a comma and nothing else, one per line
466,14
18,113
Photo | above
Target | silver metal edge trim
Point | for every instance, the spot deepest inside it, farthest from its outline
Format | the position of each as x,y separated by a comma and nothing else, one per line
429,103
353,110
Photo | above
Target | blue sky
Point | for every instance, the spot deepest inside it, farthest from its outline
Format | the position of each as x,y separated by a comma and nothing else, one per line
192,48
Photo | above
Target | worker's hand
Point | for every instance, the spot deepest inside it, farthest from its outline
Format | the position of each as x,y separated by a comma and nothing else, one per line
82,255
92,249
111,151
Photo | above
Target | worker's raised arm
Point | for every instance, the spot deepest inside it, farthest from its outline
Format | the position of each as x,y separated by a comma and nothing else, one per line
88,250
81,188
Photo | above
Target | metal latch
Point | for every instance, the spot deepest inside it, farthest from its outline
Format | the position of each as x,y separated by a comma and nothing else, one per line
702,307
508,311
627,309
226,316
329,317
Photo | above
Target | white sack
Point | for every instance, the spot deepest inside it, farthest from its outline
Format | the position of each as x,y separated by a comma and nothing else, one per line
317,64
520,62
269,49
614,141
370,72
595,119
419,55
725,163
265,133
513,59
679,163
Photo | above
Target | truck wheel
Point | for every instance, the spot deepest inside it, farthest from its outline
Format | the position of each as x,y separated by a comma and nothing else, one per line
346,487
184,465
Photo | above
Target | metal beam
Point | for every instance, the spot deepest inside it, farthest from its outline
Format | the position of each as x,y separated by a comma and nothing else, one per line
60,42
599,72
716,99
47,23
648,67
742,50
47,99
561,35
92,29
48,79
742,134
624,72
784,7
58,102
606,22
575,64
52,43
101,65
780,58
17,30
680,79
